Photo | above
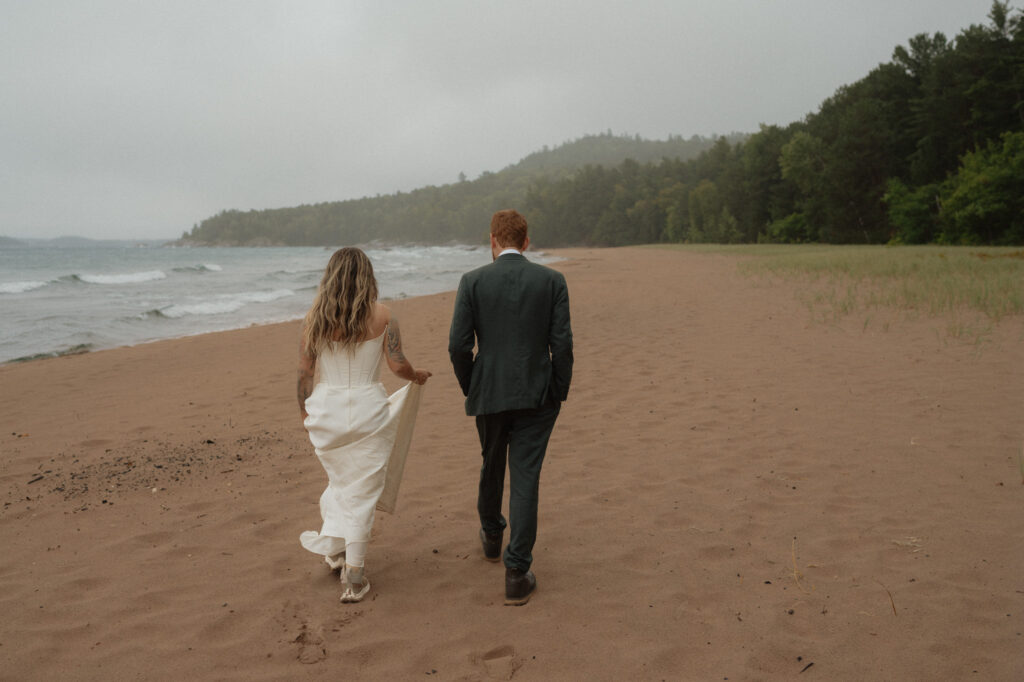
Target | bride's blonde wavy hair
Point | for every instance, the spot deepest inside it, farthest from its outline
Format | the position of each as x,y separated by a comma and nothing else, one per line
344,302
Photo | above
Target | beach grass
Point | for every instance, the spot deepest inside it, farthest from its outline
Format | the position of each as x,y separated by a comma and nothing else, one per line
836,281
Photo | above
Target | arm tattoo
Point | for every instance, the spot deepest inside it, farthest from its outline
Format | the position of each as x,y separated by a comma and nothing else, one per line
304,387
394,343
307,372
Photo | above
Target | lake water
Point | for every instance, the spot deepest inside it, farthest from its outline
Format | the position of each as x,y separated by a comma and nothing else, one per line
56,300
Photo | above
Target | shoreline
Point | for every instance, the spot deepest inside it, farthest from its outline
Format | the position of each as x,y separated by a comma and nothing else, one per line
775,492
88,347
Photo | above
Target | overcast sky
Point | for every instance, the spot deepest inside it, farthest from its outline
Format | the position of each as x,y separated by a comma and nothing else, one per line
139,119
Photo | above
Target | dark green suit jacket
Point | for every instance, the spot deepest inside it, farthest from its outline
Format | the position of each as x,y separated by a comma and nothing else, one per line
517,312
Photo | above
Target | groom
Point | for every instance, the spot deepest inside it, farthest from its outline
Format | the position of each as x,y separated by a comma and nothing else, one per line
517,313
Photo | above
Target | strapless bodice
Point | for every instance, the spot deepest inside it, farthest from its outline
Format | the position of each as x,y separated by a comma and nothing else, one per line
356,365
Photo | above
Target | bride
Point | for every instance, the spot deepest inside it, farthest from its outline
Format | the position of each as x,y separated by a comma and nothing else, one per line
360,434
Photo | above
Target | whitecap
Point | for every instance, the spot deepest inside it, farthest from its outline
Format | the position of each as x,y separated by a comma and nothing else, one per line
225,303
264,296
129,278
19,287
202,267
207,308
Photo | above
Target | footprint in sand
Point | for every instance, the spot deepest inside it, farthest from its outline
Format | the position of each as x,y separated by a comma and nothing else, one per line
500,663
311,642
311,646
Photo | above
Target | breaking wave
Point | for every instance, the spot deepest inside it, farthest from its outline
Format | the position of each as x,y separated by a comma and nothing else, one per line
217,305
128,278
202,267
20,287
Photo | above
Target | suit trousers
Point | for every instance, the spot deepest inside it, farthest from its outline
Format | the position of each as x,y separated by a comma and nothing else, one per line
519,437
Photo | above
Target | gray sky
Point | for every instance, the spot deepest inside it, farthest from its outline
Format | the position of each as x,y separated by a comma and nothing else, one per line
139,119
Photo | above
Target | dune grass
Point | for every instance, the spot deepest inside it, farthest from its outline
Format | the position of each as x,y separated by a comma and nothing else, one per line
930,280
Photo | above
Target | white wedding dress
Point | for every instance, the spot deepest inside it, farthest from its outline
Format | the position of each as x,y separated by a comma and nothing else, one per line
361,436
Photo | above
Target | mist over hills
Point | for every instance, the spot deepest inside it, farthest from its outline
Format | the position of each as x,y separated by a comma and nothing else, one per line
457,212
925,148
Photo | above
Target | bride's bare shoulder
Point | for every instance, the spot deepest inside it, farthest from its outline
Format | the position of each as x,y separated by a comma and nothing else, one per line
381,317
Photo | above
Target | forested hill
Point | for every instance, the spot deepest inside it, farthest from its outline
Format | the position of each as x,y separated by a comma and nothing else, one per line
457,212
926,148
611,150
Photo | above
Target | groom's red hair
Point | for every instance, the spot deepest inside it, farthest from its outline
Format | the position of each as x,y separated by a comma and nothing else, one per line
508,228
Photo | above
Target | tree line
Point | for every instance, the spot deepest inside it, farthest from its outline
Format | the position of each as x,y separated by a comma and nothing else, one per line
457,212
927,148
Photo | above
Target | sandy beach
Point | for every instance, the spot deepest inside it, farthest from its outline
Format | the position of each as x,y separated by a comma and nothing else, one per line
733,491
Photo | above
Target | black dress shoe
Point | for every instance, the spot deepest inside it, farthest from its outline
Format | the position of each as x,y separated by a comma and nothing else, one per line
492,545
519,586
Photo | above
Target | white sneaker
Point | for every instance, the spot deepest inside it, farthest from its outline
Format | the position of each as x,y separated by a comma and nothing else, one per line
356,586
